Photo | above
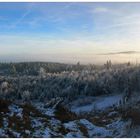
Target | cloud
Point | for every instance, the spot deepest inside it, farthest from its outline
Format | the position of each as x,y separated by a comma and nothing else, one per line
100,10
74,28
125,21
119,21
25,14
125,52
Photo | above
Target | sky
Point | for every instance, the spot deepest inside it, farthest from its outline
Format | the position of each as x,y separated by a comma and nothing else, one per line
70,32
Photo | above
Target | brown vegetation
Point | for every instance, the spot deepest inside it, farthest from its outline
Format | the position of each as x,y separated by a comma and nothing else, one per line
64,114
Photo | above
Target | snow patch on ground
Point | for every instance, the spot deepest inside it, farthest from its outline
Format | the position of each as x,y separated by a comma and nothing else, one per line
75,132
47,111
55,124
72,126
107,102
2,133
14,109
36,123
101,103
74,135
95,131
119,128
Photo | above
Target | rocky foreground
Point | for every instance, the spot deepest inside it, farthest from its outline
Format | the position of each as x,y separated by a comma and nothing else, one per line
54,120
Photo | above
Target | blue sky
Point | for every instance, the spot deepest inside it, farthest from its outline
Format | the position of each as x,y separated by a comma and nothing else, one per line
69,32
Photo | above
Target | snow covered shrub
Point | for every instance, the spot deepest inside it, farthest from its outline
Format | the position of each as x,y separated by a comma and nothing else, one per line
4,87
26,95
42,72
130,109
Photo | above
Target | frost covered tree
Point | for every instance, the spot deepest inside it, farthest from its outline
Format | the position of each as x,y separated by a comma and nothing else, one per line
42,72
26,95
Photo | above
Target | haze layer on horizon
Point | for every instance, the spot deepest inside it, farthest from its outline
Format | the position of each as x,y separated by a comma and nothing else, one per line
70,32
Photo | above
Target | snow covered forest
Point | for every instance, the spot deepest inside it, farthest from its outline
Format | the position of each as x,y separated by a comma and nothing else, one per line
40,99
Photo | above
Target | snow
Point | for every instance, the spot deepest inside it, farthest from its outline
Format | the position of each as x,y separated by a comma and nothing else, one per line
43,132
47,133
15,134
43,119
101,103
44,110
2,133
119,128
95,131
112,113
86,123
74,135
75,132
27,132
87,108
48,127
5,122
49,112
15,109
108,102
72,126
55,124
36,123
135,133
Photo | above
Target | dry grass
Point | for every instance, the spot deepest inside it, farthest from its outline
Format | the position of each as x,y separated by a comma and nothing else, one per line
133,114
64,115
3,110
20,124
103,118
63,130
83,129
4,106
